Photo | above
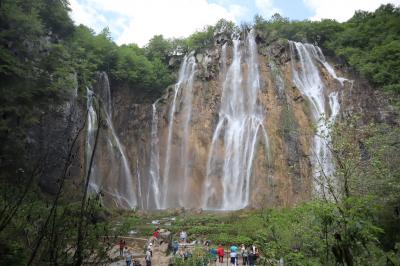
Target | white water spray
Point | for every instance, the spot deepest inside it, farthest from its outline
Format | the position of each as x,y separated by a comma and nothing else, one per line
123,190
240,121
308,81
154,172
185,87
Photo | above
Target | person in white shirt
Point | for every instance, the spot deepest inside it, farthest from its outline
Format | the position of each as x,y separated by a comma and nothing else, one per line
128,258
233,258
150,248
148,257
183,236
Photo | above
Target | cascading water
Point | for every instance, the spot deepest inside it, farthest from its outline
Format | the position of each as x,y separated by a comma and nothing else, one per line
185,87
309,82
119,184
90,138
240,120
139,185
153,188
226,180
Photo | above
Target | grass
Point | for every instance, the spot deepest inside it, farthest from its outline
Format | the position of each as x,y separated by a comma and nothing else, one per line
221,228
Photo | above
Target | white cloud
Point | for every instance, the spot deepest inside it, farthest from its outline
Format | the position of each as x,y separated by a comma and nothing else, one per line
342,10
266,8
84,14
138,21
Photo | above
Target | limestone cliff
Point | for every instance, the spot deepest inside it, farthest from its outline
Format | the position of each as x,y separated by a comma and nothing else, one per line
237,130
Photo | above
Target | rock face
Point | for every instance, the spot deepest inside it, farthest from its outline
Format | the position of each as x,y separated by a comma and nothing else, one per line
52,142
237,130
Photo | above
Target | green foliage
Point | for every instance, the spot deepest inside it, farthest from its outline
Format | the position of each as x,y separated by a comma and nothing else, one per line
302,31
35,70
369,41
204,39
19,238
201,39
159,48
198,258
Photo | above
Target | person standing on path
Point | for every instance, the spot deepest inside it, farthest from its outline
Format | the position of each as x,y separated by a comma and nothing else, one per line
221,254
148,257
150,248
156,235
233,258
244,254
128,258
213,253
121,244
175,247
251,258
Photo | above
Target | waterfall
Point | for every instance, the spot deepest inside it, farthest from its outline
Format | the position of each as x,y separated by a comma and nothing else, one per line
308,81
185,87
123,190
139,185
154,172
90,139
187,112
240,121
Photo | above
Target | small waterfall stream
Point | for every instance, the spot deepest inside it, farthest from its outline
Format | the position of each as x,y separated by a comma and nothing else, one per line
307,79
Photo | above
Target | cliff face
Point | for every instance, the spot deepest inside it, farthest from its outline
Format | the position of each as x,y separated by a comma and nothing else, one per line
186,163
51,144
239,129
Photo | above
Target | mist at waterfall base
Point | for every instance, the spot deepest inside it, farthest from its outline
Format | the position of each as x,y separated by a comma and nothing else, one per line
240,130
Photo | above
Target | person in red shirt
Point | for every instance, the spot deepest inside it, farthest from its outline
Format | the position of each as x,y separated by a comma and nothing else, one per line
156,233
221,254
122,244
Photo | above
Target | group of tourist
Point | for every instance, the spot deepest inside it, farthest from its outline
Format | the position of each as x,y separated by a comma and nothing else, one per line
249,255
124,251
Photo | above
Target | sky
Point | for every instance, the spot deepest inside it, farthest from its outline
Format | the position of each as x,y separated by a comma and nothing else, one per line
137,21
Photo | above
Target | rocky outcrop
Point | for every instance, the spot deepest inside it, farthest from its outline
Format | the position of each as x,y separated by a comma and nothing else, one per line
51,143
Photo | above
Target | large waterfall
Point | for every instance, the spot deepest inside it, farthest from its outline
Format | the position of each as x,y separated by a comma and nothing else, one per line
240,122
114,179
215,141
154,172
174,193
